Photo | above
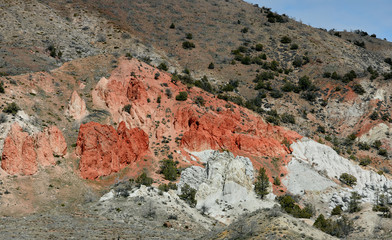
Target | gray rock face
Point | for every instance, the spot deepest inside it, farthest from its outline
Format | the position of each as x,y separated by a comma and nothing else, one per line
324,163
224,187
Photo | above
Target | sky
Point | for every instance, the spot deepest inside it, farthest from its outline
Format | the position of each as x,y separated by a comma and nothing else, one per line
371,16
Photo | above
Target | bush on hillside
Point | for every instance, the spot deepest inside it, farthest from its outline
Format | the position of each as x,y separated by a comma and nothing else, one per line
182,96
11,108
169,169
348,179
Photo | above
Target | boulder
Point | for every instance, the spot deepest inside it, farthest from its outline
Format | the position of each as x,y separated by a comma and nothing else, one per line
77,107
19,156
103,150
225,187
23,153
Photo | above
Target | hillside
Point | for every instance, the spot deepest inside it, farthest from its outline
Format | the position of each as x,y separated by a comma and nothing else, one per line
100,98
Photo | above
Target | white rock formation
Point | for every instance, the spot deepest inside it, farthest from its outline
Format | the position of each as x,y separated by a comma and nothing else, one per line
224,187
321,163
378,132
76,107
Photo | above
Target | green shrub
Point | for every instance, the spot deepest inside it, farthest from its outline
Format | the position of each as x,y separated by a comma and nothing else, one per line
335,76
339,228
127,108
294,46
326,75
2,87
211,66
11,108
182,96
163,67
188,195
365,161
309,96
285,39
360,44
383,152
143,179
204,84
357,88
353,204
348,77
363,146
288,118
189,36
188,45
374,116
304,82
262,183
276,93
200,101
288,87
348,179
172,26
230,86
272,119
246,60
377,144
169,169
277,181
245,30
166,187
337,210
259,47
297,62
291,207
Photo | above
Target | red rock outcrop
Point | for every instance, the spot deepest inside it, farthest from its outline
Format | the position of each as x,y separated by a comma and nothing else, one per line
103,150
49,143
19,156
22,153
155,111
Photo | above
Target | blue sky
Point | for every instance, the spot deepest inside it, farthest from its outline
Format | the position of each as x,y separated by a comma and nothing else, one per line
372,16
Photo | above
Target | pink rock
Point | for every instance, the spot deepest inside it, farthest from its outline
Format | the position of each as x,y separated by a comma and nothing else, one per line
77,107
103,150
23,153
19,156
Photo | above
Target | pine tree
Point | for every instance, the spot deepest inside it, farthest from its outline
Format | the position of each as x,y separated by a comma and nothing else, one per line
262,183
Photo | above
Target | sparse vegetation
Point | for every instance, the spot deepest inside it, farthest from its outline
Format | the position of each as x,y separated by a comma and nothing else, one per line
259,47
348,179
294,46
166,187
188,45
127,108
11,108
285,40
357,88
339,228
200,101
2,87
163,67
189,36
182,96
169,169
291,207
143,179
188,194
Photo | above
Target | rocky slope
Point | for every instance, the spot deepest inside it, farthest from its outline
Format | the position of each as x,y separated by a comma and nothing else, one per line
85,112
